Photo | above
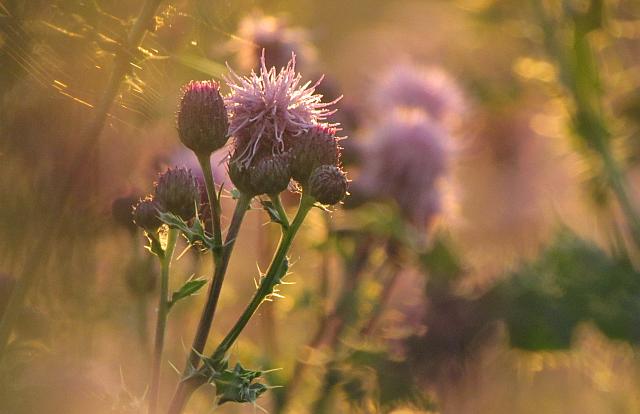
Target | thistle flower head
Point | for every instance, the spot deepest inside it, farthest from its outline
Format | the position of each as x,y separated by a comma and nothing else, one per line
269,175
145,214
328,184
430,89
406,158
202,118
317,146
269,105
177,192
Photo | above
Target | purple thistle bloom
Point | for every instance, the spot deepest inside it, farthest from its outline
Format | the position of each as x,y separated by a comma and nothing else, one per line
406,158
266,106
430,89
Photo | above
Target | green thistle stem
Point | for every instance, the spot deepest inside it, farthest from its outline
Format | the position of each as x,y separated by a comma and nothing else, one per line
161,322
277,203
208,312
214,203
274,273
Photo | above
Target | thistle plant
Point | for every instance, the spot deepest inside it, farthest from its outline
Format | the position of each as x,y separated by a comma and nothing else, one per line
278,133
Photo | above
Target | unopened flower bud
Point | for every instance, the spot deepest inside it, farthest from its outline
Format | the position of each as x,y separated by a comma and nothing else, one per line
318,146
240,177
177,192
328,184
202,118
122,211
271,175
145,214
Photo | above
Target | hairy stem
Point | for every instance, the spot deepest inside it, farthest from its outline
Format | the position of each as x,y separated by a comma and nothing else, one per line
161,321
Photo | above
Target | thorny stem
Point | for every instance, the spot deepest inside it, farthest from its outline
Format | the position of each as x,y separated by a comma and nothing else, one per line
208,312
277,203
274,273
31,271
332,325
161,322
214,203
277,269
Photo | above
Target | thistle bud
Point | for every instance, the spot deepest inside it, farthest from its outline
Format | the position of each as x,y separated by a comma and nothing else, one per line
318,146
177,192
145,214
202,118
240,177
271,175
328,184
122,211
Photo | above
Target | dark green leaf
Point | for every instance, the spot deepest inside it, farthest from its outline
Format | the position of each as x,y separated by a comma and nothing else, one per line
189,288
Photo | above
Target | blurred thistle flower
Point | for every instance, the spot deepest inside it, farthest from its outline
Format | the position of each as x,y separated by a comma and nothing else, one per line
430,89
203,124
406,157
177,192
317,146
269,105
145,214
258,32
122,211
328,184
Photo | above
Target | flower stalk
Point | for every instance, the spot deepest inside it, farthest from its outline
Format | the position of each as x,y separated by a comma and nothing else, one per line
161,322
206,319
277,269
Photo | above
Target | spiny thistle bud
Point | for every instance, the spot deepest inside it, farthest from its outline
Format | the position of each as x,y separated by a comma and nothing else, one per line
328,184
122,211
145,214
239,176
203,125
318,146
177,192
271,175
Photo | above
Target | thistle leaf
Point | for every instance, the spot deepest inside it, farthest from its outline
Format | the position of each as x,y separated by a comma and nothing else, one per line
190,287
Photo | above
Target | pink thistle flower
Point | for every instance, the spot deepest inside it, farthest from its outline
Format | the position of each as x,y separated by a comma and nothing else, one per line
266,106
430,89
406,158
